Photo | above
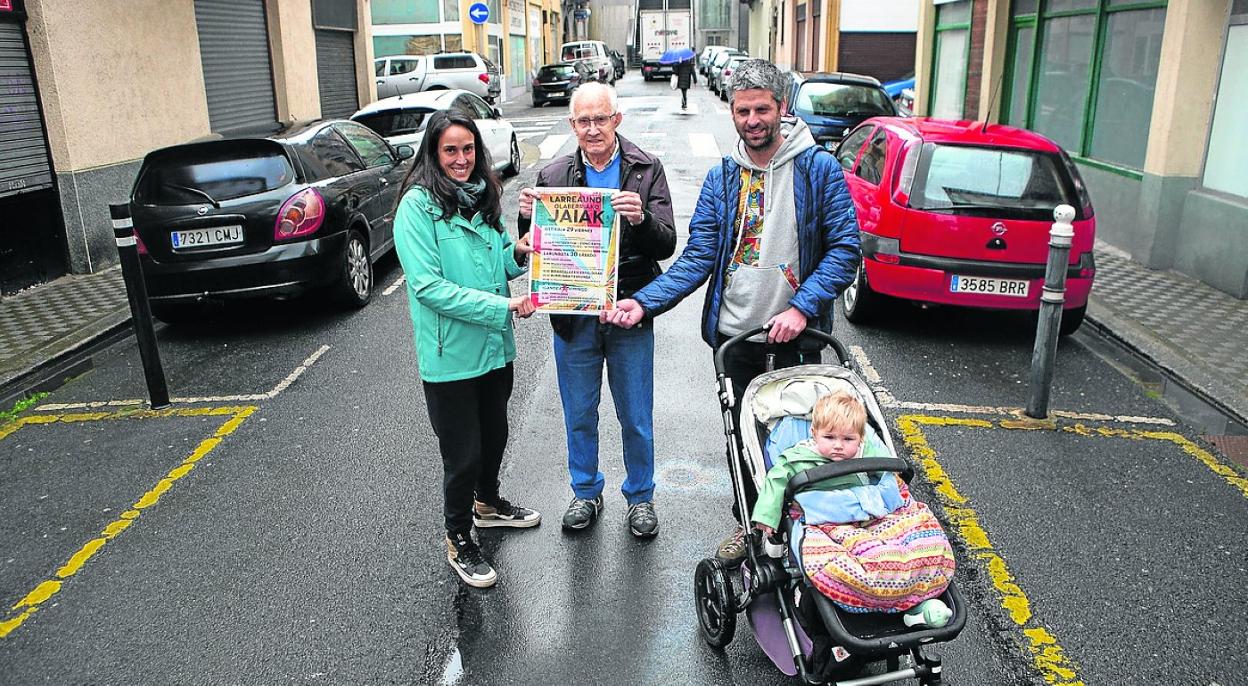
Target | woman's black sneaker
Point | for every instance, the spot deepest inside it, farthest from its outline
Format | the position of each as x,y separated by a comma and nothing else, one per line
503,513
582,512
468,562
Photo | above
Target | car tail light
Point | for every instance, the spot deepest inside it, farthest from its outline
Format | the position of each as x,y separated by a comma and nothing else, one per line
139,242
905,175
301,214
484,77
881,248
536,84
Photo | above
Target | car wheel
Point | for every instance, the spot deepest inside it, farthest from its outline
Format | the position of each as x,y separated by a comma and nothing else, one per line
513,165
858,300
354,287
1072,319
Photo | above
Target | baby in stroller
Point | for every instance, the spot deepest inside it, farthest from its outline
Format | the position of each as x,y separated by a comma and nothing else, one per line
862,540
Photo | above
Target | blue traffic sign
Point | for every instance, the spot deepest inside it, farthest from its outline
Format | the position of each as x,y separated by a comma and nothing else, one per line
479,13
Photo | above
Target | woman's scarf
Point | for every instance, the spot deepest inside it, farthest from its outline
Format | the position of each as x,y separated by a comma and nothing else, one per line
469,193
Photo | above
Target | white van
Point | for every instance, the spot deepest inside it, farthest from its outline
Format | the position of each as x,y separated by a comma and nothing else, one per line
595,52
403,74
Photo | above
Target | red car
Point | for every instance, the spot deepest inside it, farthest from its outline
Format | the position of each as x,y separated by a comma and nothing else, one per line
959,212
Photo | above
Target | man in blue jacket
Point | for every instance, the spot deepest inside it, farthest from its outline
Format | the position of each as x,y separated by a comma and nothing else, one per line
775,232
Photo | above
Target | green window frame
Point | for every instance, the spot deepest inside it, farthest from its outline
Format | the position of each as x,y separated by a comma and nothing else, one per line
942,28
1038,22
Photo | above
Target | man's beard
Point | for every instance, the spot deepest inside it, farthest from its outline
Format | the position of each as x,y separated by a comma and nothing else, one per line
765,143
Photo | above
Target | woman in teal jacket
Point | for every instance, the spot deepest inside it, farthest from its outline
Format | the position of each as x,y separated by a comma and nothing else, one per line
457,259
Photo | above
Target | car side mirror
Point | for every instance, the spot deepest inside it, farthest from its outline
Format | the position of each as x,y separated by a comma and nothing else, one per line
498,114
406,152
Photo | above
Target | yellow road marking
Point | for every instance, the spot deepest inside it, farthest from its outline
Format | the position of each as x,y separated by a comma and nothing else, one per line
1046,653
27,606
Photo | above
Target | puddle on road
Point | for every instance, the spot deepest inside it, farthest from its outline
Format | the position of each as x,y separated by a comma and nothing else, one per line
454,670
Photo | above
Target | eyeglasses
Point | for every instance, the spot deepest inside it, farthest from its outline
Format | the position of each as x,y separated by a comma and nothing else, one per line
598,121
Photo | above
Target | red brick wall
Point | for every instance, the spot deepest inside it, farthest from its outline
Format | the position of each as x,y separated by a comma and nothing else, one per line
975,62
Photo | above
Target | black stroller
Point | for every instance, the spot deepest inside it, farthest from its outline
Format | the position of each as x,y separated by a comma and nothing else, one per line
813,638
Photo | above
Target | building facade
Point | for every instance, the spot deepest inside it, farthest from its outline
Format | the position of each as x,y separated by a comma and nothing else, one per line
89,88
518,37
1147,96
859,36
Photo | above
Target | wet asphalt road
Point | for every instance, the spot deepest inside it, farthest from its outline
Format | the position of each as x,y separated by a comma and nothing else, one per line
305,546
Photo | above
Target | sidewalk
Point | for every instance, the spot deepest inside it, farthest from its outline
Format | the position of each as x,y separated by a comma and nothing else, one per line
49,322
1191,330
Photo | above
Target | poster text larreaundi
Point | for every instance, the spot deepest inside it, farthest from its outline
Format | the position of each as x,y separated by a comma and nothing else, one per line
575,251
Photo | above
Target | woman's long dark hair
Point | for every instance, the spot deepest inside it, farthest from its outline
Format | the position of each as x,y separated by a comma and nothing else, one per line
428,174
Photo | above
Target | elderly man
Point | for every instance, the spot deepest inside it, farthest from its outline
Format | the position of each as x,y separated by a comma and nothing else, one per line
582,344
775,232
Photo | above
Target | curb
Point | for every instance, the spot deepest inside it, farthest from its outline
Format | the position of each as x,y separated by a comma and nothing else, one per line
1192,374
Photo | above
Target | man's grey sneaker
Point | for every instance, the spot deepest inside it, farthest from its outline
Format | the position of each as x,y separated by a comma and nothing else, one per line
503,513
581,512
642,521
733,547
468,562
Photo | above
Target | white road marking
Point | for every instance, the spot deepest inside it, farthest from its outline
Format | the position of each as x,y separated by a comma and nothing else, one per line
703,145
860,357
250,397
551,145
394,286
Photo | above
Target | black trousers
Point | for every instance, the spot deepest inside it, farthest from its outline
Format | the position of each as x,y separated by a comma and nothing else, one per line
470,420
684,98
742,363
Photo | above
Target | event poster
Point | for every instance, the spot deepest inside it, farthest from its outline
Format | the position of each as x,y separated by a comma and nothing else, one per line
575,251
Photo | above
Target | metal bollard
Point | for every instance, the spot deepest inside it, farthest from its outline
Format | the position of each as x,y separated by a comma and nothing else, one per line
1051,300
140,309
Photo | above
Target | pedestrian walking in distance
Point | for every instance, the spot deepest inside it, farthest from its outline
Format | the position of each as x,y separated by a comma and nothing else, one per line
685,77
457,259
582,345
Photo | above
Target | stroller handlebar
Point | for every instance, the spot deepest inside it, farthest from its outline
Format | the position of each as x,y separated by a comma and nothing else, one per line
831,470
826,338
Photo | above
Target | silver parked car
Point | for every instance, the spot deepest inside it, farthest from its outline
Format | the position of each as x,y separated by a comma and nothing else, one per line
403,74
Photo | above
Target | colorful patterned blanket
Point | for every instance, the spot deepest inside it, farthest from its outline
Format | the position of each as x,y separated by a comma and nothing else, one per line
889,564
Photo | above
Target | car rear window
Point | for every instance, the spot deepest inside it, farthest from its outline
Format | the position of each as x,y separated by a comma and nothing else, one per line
454,62
396,122
955,177
842,100
562,71
583,51
208,172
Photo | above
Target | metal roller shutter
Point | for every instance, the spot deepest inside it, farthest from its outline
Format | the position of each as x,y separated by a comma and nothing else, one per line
238,74
24,162
335,73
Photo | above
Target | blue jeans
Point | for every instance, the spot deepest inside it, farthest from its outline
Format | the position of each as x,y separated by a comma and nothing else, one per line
629,356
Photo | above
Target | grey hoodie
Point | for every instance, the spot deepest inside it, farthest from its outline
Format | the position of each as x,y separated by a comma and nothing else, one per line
754,294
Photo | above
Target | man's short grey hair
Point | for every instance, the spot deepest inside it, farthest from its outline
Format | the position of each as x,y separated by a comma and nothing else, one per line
759,74
592,90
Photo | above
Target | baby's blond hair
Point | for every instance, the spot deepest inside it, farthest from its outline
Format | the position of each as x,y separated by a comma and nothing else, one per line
839,409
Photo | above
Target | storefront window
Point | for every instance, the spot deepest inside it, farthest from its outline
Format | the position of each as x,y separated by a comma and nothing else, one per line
1124,93
1020,74
953,32
450,10
1062,84
1226,168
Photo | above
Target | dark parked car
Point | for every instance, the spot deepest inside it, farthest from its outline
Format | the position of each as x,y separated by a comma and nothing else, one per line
309,207
620,65
557,81
832,104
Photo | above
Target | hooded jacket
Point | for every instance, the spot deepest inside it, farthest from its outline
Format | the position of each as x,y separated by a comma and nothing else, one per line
828,247
641,246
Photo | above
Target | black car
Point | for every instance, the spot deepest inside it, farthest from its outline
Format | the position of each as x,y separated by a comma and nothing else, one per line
557,81
308,207
833,103
618,61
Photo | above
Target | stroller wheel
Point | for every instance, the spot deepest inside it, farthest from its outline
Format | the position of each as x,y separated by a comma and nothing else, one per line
717,612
